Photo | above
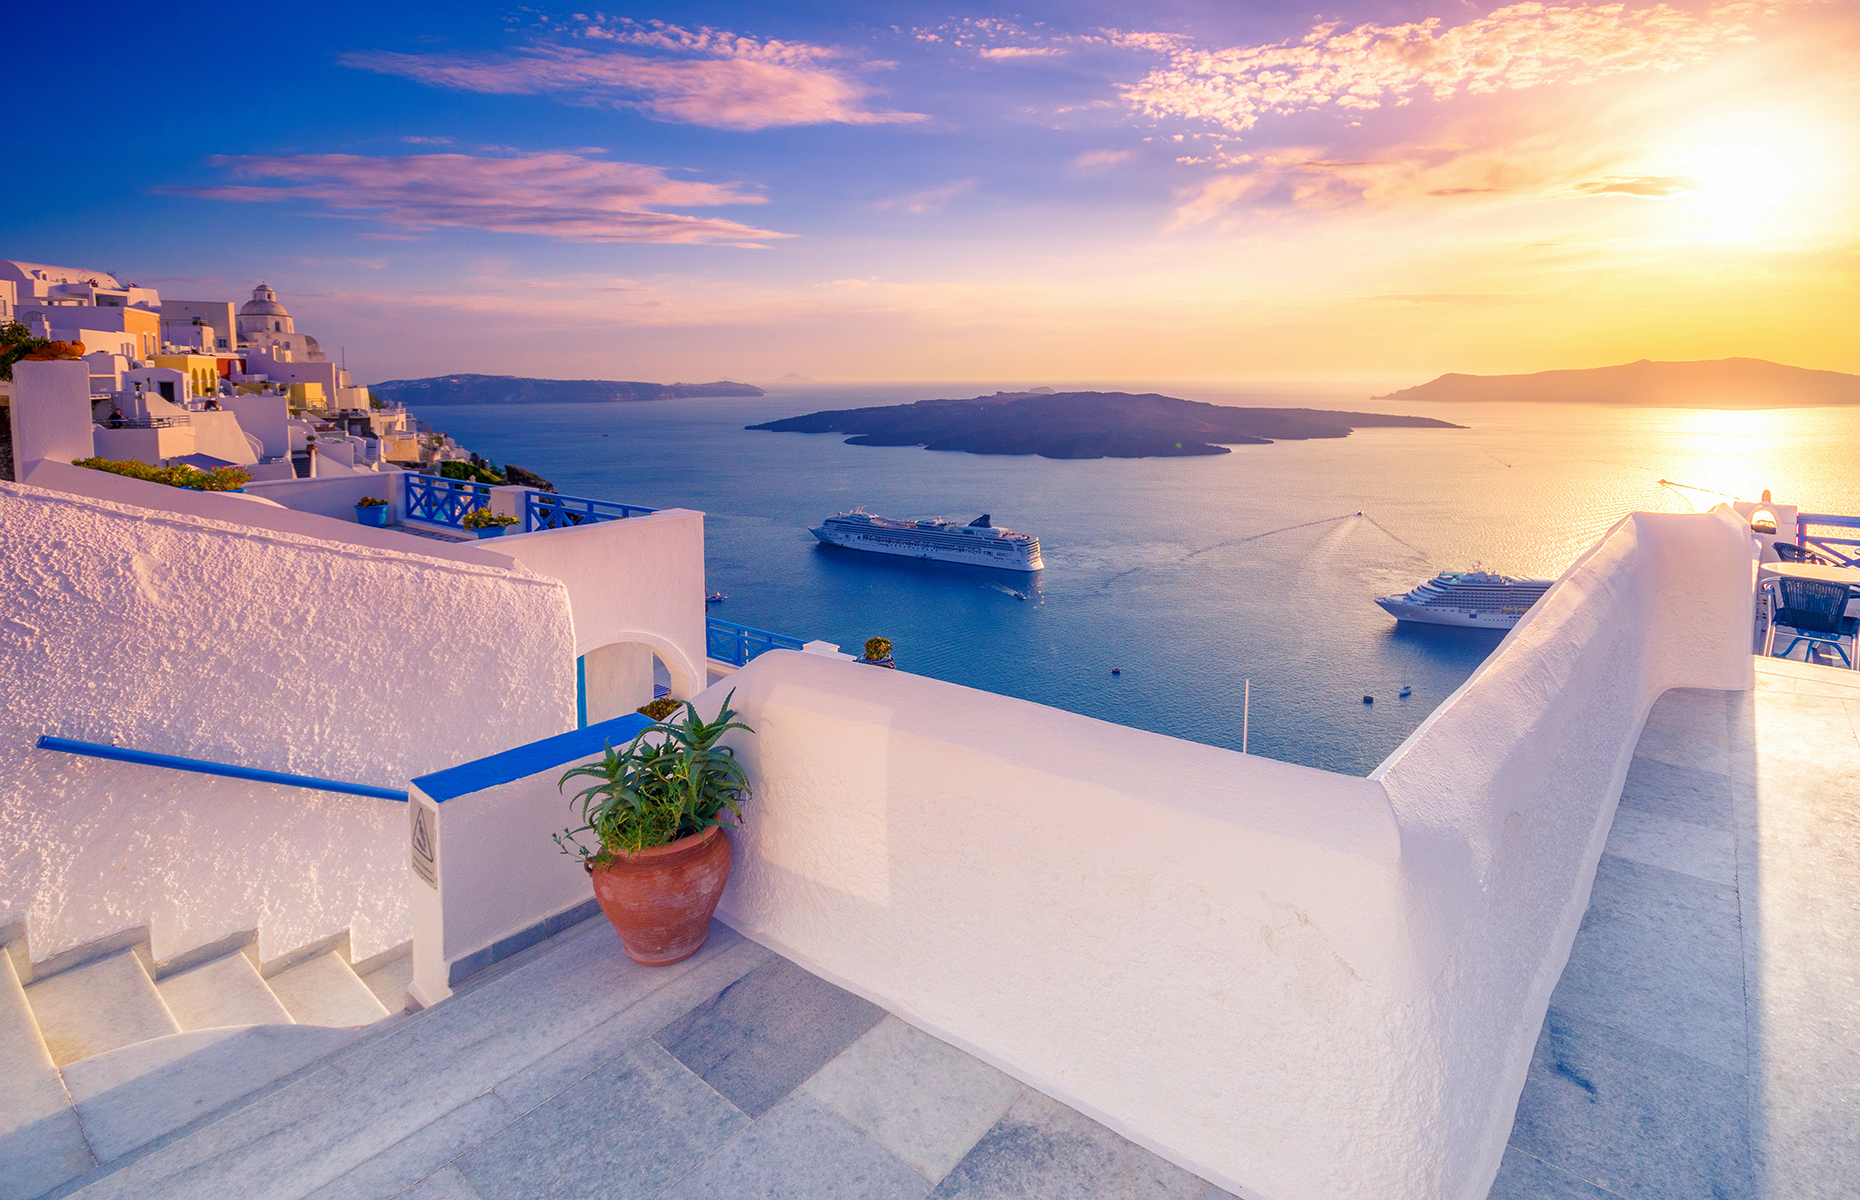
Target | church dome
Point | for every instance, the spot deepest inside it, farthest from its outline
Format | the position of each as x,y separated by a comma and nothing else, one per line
264,303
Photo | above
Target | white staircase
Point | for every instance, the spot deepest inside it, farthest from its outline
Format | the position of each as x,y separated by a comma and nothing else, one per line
103,1050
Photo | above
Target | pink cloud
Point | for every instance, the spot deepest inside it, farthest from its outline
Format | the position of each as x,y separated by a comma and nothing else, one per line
558,195
720,80
929,200
1518,46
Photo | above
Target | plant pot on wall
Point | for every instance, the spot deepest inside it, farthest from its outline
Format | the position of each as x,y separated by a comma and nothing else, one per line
372,514
657,810
661,900
491,531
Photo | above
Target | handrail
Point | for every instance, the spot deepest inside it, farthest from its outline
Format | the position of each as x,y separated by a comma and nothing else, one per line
442,501
201,766
737,644
1824,543
546,510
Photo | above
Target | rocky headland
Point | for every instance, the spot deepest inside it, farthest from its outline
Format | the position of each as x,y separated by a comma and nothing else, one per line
1085,425
1714,383
512,389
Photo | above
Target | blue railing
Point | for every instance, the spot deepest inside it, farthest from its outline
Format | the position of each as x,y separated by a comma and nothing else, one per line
443,501
1825,545
545,510
737,644
201,766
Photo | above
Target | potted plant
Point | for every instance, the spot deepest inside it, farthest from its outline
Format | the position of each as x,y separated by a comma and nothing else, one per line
657,812
487,523
371,510
878,653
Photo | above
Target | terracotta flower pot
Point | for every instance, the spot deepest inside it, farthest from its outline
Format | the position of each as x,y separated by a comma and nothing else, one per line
661,900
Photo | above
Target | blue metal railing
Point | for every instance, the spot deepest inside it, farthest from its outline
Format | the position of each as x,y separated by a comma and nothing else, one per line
443,501
201,766
545,510
737,644
1825,544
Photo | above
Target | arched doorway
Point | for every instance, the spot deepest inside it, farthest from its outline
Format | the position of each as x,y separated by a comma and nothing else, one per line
618,678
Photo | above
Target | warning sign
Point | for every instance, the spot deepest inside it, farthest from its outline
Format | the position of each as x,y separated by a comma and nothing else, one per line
424,837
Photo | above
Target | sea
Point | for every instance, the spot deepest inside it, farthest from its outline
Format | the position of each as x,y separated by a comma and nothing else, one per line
1225,599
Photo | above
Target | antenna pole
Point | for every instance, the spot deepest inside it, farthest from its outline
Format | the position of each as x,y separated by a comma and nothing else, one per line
1246,714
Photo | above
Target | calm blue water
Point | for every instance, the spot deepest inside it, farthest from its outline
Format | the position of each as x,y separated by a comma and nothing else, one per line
1190,574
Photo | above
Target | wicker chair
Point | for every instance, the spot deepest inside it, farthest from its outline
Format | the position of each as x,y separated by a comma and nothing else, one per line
1789,552
1816,614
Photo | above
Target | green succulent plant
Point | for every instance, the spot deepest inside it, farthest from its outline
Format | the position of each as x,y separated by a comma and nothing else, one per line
670,782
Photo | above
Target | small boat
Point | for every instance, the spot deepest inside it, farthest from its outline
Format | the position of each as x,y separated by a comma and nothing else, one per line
1369,699
1407,692
715,598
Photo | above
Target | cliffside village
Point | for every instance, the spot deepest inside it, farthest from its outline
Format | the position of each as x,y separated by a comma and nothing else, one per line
210,384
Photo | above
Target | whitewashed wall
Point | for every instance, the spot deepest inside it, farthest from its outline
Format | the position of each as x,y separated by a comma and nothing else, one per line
185,635
1295,983
640,580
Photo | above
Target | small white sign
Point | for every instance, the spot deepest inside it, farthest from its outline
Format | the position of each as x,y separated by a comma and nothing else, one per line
424,837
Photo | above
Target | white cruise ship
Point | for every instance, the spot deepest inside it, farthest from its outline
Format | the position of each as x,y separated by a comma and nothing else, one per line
978,543
1475,599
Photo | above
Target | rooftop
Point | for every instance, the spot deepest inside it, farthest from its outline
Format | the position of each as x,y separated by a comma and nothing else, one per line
1702,1041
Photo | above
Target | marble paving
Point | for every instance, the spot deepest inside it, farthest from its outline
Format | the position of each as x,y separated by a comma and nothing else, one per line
567,1072
1704,1040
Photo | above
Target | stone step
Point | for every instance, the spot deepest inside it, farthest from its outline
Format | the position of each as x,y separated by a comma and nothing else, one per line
389,983
41,1143
129,1097
325,991
225,991
103,1005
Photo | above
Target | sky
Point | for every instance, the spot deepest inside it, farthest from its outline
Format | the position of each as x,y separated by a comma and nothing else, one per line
1083,191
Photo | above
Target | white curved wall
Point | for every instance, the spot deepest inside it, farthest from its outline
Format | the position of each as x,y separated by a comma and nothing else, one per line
185,635
1296,983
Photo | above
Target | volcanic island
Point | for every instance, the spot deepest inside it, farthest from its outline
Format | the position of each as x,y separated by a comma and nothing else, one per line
1086,425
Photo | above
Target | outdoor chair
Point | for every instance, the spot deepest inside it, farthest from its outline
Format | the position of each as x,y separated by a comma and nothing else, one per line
1789,552
1815,612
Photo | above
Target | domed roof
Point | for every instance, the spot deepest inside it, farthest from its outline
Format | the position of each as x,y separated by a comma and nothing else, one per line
264,303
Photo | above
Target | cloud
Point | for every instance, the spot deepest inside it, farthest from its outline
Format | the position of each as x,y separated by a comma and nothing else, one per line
1022,52
558,195
694,77
1367,66
1652,187
930,200
1093,160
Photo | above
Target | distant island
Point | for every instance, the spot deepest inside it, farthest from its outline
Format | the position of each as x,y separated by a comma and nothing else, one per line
510,389
1717,383
1085,425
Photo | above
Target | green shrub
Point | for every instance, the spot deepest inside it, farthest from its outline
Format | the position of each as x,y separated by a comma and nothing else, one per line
469,473
371,502
220,479
877,649
659,709
670,782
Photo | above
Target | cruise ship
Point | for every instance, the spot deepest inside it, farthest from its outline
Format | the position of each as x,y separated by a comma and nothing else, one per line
979,543
1475,599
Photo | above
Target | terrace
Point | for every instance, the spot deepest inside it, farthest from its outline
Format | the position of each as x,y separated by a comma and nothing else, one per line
955,966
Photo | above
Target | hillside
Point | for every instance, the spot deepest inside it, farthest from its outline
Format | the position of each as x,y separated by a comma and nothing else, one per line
511,389
1084,425
1718,383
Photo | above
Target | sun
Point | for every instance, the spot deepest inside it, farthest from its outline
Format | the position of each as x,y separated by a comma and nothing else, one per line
1738,183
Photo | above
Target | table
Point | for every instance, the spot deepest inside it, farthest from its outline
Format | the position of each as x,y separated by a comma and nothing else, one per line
1847,575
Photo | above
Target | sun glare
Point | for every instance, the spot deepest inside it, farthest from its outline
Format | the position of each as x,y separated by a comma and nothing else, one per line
1738,184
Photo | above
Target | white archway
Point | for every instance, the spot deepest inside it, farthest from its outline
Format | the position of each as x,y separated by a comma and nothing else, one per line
616,677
